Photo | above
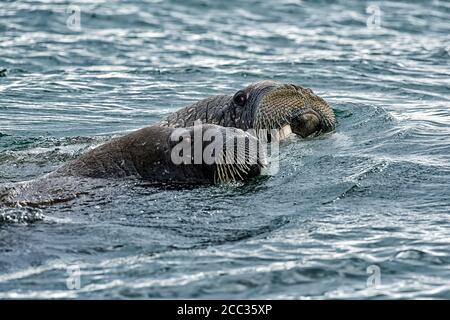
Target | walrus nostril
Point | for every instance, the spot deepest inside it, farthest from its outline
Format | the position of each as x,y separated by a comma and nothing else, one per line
306,124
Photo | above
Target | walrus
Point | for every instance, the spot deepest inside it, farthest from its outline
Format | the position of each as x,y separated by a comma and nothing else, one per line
262,106
153,154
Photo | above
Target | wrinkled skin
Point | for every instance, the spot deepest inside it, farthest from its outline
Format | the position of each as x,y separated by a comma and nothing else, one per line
262,105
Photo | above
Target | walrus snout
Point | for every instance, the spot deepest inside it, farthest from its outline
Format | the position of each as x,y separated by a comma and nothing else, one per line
308,123
241,156
218,154
293,109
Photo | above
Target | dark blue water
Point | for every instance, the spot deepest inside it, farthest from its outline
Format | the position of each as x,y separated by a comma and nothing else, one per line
363,212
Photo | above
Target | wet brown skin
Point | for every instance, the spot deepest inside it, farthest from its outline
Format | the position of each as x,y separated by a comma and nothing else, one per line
146,155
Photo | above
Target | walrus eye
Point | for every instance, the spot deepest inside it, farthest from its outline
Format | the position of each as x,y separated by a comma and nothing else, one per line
240,98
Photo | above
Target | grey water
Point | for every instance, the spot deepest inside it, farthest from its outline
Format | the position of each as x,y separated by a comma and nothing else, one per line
363,212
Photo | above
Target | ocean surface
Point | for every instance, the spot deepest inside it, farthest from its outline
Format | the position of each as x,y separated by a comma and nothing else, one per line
363,212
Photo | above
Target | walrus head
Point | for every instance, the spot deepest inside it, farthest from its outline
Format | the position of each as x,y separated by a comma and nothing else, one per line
262,105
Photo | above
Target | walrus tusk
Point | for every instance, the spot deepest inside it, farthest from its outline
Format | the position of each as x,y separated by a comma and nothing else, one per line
284,132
